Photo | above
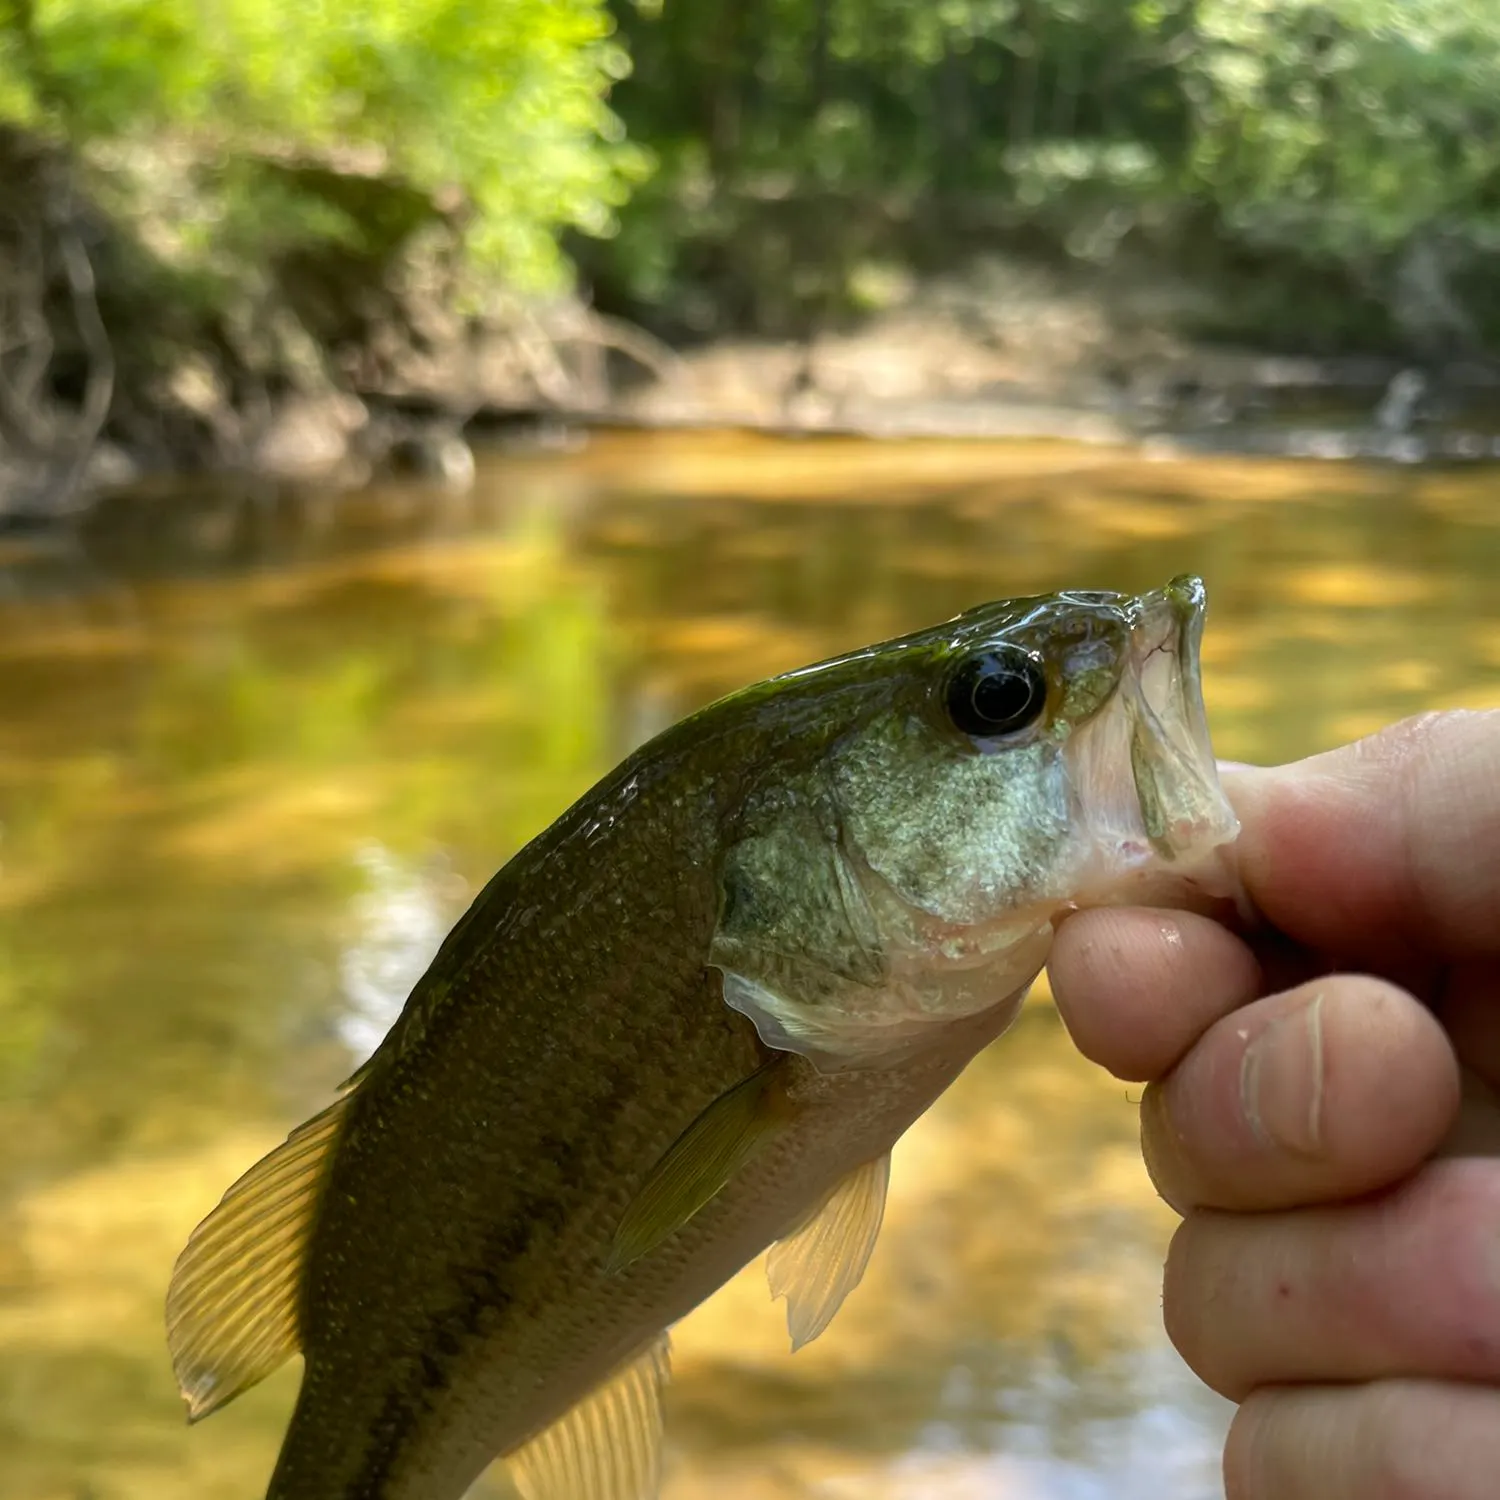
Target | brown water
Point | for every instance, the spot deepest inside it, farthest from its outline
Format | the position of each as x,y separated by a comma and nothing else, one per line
256,754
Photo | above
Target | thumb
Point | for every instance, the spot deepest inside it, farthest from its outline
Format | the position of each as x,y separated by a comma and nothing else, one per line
1387,849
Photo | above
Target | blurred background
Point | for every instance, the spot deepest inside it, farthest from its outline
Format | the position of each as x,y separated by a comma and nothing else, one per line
409,406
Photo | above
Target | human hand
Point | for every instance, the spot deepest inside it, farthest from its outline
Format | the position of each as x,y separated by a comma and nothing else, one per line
1323,1108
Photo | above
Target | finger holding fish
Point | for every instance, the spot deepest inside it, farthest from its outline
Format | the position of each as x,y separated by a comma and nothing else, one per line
1325,1090
1136,988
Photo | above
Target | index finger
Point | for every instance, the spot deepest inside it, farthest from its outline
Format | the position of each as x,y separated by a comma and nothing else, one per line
1386,850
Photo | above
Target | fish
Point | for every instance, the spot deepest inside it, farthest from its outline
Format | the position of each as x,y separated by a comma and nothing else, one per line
684,1025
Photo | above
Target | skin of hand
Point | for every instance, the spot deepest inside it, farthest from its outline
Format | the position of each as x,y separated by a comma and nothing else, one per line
1323,1109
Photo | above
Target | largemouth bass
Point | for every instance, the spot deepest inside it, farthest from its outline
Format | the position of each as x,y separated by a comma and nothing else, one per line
685,1023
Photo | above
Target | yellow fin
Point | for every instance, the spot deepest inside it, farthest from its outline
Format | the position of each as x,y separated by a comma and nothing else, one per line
608,1447
232,1302
821,1262
705,1156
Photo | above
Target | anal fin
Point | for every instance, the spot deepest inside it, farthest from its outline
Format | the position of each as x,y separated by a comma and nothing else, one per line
608,1447
232,1301
821,1261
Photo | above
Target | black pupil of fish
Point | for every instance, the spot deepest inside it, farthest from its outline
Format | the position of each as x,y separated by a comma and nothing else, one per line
993,694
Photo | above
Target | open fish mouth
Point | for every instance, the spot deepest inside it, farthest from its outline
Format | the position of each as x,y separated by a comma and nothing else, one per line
1183,810
1145,779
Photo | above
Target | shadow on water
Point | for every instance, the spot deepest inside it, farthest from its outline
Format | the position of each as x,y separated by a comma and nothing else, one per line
257,753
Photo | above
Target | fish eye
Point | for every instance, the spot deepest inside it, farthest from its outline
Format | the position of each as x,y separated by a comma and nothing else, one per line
996,692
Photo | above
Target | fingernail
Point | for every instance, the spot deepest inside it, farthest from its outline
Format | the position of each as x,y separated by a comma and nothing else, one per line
1281,1081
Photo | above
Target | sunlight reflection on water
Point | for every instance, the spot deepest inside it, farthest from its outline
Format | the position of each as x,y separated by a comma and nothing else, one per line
401,920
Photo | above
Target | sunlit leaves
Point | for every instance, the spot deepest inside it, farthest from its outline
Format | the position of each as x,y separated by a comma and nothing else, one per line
1337,129
501,101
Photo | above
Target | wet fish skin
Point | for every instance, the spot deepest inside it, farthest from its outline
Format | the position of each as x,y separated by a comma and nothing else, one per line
820,862
580,961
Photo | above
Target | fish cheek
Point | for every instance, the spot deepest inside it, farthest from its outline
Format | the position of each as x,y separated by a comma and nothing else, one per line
789,903
964,837
796,934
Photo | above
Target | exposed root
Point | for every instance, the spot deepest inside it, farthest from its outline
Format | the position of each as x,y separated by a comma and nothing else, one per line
53,437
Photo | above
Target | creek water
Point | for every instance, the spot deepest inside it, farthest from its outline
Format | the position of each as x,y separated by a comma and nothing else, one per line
259,749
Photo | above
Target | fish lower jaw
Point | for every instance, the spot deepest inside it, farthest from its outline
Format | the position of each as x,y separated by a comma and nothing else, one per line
1133,872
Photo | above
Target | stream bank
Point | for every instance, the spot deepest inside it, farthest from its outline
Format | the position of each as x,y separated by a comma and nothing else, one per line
132,352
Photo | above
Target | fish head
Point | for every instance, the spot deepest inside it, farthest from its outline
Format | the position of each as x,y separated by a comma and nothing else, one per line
1051,749
1027,757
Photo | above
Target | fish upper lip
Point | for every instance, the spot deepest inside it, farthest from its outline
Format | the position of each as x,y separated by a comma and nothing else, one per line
1170,615
1168,623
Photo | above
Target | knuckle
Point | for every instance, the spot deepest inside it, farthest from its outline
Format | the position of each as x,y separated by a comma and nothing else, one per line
1440,1273
1162,1149
1198,1296
1250,1449
1401,1454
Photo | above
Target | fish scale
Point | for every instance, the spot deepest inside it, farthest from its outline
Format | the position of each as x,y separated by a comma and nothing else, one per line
686,1022
522,1171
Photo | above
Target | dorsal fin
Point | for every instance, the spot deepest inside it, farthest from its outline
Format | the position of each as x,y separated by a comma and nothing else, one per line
608,1447
232,1302
821,1261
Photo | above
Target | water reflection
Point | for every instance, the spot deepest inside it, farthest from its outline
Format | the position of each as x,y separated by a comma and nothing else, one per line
256,756
399,919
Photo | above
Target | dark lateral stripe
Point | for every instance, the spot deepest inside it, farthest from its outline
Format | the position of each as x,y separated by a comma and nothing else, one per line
482,1298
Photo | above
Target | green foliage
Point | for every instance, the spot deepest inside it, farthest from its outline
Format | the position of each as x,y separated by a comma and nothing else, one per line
1316,139
497,104
795,142
1348,124
895,127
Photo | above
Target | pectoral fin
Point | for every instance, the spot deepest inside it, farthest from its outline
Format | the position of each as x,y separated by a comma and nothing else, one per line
821,1262
705,1156
232,1302
608,1447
